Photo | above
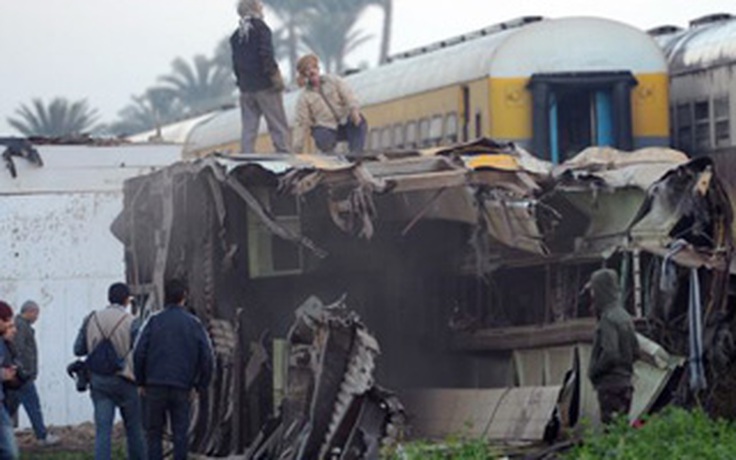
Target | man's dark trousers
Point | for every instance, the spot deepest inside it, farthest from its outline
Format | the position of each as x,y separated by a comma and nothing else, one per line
160,400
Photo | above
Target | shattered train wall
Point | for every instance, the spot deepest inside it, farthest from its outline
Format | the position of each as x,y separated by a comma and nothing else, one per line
455,261
246,283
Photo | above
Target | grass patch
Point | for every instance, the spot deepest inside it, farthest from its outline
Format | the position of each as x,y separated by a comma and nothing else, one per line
452,448
117,453
674,433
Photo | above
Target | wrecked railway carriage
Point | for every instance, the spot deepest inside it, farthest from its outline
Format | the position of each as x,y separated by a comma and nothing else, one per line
465,263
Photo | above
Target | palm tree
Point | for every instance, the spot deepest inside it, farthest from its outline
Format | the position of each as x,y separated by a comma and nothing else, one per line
59,118
223,56
201,86
156,107
292,14
329,31
388,12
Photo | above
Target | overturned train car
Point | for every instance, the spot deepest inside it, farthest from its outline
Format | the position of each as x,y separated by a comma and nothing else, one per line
465,264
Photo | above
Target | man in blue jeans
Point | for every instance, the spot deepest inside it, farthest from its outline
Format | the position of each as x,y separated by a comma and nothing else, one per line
117,390
27,356
173,356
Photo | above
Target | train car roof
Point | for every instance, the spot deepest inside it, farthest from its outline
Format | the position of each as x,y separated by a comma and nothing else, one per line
710,41
175,132
520,49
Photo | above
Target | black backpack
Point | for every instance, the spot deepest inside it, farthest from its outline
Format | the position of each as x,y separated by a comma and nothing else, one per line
103,359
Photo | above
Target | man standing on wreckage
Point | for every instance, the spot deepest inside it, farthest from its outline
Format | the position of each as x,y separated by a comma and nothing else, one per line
615,346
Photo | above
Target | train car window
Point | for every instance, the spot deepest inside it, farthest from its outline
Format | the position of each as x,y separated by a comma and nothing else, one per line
684,128
702,125
374,139
386,138
411,134
478,124
435,130
451,127
424,132
722,122
398,136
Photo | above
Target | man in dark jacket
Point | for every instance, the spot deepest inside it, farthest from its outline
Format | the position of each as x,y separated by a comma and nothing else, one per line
615,346
172,357
8,445
27,355
259,79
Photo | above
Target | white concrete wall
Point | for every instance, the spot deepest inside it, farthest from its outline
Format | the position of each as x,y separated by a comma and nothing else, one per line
56,248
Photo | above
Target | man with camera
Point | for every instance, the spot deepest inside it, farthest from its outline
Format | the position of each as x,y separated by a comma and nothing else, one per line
112,328
26,393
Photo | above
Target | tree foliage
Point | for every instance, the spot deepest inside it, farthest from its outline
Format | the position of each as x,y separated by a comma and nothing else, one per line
58,118
326,27
200,85
156,107
292,14
330,31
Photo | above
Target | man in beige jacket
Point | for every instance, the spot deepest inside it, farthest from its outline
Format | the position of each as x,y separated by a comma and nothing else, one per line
328,109
116,389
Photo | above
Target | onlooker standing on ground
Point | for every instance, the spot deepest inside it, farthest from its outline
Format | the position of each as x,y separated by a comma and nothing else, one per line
8,445
117,389
27,356
173,356
259,79
328,109
10,360
615,346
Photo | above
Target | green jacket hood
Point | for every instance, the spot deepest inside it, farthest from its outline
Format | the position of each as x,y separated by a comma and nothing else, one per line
605,288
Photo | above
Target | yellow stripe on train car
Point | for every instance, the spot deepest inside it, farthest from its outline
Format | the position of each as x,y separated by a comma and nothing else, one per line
511,108
650,106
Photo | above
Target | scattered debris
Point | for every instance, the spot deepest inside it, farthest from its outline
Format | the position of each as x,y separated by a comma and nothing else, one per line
20,148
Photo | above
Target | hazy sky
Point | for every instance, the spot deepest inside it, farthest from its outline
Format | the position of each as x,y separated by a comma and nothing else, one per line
106,51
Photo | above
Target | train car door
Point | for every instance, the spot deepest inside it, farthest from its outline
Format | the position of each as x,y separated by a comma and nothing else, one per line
574,111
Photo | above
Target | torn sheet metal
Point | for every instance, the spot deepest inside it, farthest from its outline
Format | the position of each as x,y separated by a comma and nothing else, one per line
550,366
606,188
608,167
687,203
498,414
586,205
652,372
332,408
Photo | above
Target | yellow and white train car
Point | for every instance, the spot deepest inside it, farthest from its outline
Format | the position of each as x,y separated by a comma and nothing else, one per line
552,86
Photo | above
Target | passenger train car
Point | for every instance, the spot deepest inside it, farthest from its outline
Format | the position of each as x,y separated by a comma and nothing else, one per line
702,66
552,86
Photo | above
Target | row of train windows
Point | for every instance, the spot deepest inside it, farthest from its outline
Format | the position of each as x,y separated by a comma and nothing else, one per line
702,125
425,132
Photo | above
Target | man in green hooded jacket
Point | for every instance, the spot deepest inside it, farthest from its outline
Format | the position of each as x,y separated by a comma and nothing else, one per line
615,346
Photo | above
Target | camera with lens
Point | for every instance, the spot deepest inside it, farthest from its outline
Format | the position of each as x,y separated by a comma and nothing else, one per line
78,371
21,377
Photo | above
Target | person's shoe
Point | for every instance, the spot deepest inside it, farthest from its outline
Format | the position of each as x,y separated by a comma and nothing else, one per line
50,440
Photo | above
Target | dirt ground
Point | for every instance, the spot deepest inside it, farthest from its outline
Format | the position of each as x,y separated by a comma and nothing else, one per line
73,439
